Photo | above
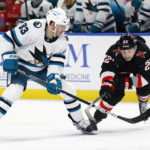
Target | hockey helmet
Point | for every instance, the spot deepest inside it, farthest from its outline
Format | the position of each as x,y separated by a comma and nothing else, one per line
126,41
58,16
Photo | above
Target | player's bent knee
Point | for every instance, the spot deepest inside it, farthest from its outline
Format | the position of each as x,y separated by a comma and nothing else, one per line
13,92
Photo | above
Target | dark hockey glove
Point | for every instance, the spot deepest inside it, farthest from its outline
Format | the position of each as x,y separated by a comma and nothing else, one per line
136,3
10,62
134,27
54,84
107,89
75,28
95,29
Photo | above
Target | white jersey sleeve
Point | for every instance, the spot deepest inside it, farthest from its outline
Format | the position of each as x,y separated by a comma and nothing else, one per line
79,15
144,16
57,61
21,35
103,12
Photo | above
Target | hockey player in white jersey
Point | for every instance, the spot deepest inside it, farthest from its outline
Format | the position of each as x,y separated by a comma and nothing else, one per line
35,9
132,13
143,23
38,48
69,6
97,14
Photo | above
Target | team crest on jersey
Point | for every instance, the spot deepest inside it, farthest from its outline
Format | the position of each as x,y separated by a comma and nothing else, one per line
37,24
116,51
141,54
40,56
91,7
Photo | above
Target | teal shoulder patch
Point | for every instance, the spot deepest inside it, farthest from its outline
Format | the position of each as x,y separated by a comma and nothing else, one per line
37,24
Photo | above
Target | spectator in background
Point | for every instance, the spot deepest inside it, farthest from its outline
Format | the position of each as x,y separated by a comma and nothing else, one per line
97,14
34,9
3,16
9,14
13,12
69,6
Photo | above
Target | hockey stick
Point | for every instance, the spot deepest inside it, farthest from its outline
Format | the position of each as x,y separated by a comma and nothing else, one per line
26,7
134,120
43,83
122,12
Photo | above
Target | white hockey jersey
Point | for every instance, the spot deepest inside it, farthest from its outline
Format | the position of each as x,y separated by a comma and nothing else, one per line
96,11
70,11
35,11
34,50
144,16
131,14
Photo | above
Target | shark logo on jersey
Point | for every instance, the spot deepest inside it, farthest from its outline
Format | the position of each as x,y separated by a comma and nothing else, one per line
37,24
40,57
33,16
91,7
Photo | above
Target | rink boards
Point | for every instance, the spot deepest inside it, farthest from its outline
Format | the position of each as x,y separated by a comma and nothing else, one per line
85,54
130,96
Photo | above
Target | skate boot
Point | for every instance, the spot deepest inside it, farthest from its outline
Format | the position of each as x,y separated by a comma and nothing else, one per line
84,126
143,107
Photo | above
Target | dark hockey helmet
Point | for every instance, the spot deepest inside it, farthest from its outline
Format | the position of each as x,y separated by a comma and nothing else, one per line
126,41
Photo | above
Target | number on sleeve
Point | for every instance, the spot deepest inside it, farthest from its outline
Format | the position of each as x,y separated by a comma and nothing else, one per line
23,28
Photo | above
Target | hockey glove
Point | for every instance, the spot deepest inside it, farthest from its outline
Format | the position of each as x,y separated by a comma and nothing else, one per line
134,27
136,3
10,62
95,29
76,28
107,89
54,84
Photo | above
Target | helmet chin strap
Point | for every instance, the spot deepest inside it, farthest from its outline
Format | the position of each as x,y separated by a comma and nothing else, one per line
54,31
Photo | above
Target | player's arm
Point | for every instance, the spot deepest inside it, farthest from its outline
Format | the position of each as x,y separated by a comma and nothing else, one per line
79,17
107,74
55,68
10,41
102,14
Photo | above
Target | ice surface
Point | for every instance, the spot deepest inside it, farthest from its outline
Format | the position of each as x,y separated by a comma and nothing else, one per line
44,125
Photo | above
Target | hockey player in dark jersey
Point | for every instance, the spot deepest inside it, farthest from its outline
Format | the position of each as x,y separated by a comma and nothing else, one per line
127,63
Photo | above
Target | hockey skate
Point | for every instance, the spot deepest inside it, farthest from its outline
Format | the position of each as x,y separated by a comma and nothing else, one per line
84,126
143,107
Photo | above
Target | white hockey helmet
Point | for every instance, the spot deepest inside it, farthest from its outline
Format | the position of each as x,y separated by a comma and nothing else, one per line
58,16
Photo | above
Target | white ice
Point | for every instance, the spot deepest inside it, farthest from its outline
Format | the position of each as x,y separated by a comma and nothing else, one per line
44,125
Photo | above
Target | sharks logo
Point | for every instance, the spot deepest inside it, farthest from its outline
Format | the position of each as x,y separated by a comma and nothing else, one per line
37,24
33,16
40,57
91,7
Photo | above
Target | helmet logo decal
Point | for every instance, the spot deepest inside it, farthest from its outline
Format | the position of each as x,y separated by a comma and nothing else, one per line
56,13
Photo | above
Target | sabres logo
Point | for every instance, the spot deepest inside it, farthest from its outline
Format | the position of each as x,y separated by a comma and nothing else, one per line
37,24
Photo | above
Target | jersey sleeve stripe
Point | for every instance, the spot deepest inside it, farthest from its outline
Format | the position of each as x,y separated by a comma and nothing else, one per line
79,3
79,9
59,55
14,36
6,37
57,63
103,3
